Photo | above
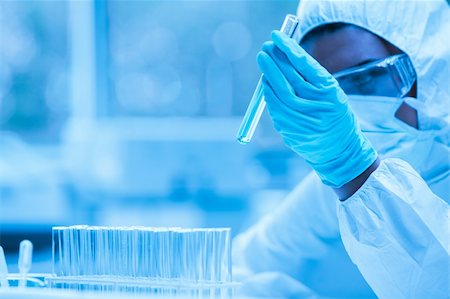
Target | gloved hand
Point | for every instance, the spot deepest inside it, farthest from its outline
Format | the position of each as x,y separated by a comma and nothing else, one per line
311,112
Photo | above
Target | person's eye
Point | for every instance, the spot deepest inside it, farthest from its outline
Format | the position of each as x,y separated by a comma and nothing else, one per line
376,72
362,79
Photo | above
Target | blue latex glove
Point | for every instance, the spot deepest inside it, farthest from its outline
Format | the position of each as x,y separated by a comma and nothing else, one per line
311,112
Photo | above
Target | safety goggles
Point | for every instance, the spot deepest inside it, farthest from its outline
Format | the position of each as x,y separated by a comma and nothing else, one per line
392,76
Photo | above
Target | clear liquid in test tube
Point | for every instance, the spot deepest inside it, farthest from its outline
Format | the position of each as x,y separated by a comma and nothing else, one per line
257,103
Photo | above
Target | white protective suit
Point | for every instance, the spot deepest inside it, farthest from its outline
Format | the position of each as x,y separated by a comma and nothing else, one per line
395,228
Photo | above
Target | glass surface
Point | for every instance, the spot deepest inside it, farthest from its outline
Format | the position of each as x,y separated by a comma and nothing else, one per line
252,115
392,76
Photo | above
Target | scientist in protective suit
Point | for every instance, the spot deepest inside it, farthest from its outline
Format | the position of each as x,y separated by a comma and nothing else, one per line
364,99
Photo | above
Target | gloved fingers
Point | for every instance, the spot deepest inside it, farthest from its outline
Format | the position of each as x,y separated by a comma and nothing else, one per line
301,106
274,102
286,111
305,133
274,75
278,108
301,87
304,63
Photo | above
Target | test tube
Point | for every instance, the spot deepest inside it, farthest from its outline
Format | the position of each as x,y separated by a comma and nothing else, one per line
257,103
25,257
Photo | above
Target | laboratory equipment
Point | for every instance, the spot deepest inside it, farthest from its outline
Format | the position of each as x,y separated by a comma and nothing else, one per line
3,269
25,257
257,102
392,77
22,279
162,262
142,260
166,253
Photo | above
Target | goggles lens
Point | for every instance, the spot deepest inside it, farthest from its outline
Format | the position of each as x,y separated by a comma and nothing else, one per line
392,76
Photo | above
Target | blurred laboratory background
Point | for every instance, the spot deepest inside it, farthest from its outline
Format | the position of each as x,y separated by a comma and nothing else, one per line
126,112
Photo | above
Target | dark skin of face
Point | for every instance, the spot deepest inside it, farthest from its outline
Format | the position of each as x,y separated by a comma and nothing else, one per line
348,47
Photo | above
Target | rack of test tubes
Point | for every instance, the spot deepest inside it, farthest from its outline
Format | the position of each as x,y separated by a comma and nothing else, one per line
155,262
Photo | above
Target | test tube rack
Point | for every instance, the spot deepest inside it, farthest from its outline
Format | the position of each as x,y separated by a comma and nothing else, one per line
143,260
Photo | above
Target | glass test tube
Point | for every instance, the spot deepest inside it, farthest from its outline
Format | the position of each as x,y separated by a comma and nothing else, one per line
25,260
257,103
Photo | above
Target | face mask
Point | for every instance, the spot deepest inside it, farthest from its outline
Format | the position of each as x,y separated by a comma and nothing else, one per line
392,138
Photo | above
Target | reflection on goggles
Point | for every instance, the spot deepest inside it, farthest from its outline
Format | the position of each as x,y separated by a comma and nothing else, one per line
392,76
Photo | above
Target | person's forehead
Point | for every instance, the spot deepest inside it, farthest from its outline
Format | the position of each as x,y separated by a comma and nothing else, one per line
345,48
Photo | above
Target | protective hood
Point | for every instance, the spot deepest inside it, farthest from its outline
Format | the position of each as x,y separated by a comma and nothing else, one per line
421,29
